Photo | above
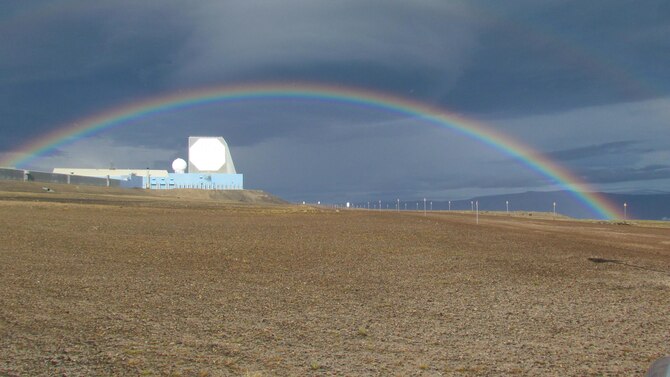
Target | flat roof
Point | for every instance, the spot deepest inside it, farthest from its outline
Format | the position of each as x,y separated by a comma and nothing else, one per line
110,172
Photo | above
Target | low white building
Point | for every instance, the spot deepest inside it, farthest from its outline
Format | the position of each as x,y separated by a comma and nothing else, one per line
210,166
103,173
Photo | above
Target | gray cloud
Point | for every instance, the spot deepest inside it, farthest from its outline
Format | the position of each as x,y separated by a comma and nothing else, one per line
612,148
626,174
104,153
562,55
92,39
236,38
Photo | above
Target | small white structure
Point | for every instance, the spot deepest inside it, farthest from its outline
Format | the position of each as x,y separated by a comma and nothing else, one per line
179,166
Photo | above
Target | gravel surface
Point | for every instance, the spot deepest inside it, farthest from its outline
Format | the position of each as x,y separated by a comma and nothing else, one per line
202,288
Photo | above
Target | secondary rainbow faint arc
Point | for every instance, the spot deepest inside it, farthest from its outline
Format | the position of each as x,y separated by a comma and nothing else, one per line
202,96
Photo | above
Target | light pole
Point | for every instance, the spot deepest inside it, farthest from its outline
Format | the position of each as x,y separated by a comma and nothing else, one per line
507,206
477,206
554,210
398,207
472,206
431,205
424,206
450,205
625,212
380,206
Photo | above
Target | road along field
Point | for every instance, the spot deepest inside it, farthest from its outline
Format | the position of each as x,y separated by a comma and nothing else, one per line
115,285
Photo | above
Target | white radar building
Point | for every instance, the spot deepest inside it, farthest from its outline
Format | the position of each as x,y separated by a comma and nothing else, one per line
209,155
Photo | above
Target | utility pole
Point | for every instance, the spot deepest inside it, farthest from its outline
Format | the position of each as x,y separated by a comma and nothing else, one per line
625,212
554,210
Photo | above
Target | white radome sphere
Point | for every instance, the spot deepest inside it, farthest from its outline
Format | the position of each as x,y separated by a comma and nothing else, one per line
179,165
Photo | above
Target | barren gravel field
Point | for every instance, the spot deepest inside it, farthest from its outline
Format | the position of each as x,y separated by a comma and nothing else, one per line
108,283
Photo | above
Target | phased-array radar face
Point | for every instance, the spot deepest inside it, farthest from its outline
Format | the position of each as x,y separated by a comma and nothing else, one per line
209,155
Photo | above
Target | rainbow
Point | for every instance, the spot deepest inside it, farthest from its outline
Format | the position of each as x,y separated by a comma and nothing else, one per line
203,96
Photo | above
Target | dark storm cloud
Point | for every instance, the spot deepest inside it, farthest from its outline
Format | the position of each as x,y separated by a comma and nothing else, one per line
477,57
120,40
415,50
61,64
568,54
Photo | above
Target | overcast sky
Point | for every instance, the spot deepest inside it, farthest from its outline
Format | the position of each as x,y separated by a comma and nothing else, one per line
585,82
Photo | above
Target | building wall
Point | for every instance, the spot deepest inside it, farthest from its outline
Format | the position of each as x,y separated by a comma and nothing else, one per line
38,176
131,181
203,181
12,174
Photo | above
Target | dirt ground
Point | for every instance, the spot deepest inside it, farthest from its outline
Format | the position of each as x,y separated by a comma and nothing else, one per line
109,284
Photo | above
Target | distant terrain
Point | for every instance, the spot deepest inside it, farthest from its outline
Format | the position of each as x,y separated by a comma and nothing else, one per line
100,281
640,206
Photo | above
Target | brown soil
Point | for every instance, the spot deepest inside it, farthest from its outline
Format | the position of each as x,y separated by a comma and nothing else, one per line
99,282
